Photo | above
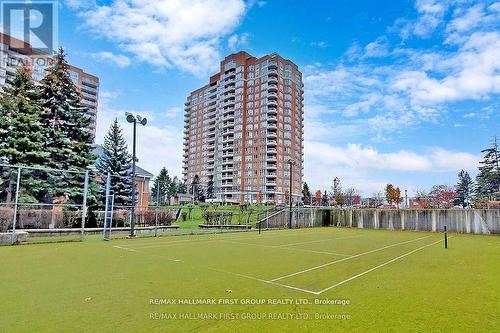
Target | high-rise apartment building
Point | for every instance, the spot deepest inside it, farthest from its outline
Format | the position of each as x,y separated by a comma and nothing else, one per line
14,51
244,129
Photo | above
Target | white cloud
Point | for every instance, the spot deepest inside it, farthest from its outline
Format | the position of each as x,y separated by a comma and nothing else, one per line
236,41
320,44
369,170
173,112
168,33
79,4
404,87
377,48
119,60
473,73
155,137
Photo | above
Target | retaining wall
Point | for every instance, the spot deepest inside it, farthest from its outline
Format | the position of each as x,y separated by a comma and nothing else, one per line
476,221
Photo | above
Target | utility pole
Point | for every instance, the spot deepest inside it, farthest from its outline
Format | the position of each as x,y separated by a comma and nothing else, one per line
143,121
291,162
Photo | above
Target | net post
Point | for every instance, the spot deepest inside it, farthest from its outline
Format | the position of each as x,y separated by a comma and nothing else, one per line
16,202
84,204
445,238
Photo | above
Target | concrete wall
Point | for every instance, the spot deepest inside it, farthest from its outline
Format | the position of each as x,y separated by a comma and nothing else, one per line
477,221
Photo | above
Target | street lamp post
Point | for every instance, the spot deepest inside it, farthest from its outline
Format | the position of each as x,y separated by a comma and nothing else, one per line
143,121
291,162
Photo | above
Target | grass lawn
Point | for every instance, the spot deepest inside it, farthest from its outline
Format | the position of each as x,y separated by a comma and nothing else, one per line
238,217
307,280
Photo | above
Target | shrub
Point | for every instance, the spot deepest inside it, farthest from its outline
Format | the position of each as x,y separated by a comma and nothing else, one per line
6,215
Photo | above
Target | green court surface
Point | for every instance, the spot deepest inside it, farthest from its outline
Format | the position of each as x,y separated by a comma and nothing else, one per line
307,280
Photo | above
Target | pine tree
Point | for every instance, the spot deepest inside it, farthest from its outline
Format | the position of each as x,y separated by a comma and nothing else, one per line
324,199
464,189
21,133
182,187
210,189
174,187
337,192
116,160
196,189
306,193
488,179
162,187
68,138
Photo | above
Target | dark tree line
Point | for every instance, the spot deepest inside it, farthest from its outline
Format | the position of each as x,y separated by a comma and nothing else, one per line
44,125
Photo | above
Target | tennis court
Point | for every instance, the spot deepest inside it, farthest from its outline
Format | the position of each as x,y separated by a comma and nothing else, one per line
386,276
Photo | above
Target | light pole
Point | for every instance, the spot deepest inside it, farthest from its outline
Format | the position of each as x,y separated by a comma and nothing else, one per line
143,121
291,162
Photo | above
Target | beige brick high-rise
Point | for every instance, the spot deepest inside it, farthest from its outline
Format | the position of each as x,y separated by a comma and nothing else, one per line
243,127
11,57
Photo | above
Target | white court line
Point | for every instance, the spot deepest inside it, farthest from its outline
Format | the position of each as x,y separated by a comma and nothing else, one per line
292,287
124,248
150,246
289,248
378,266
138,251
348,258
319,240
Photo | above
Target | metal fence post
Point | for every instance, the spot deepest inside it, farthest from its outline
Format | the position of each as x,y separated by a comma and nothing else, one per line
84,204
14,218
106,207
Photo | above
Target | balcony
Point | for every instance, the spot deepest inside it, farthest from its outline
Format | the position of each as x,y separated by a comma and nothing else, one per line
272,103
272,119
272,96
272,150
272,88
271,143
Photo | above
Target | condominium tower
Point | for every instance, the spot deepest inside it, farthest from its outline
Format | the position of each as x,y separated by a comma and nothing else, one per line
14,51
244,130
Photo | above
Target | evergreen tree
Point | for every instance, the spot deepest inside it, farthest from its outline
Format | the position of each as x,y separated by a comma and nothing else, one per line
324,199
488,179
390,193
161,187
210,189
174,187
337,192
464,189
182,187
21,134
306,194
68,138
196,189
116,160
